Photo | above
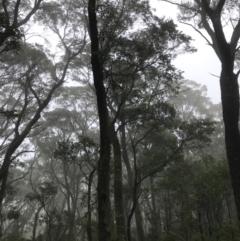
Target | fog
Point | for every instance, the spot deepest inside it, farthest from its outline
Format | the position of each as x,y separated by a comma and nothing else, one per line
202,66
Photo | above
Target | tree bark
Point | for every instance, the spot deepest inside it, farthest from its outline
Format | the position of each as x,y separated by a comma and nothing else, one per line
154,213
228,84
20,137
118,195
89,219
104,229
136,207
229,93
230,106
34,232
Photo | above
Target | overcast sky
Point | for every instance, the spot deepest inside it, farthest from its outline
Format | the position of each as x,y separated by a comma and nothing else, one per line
199,66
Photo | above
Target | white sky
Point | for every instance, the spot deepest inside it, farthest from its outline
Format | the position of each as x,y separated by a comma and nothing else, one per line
197,66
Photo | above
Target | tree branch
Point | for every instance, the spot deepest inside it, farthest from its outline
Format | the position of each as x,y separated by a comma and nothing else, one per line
34,9
198,31
6,12
180,5
219,5
235,38
205,4
15,20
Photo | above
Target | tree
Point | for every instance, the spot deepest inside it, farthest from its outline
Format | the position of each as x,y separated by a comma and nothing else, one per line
130,59
34,96
104,207
71,126
30,78
12,19
210,16
124,84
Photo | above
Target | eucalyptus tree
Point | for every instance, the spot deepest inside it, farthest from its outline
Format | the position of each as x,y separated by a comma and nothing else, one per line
147,111
68,151
104,207
29,90
130,56
30,80
158,141
194,204
214,16
193,102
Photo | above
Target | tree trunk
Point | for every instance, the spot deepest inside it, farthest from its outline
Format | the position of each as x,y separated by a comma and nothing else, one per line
104,207
139,223
155,218
230,106
118,196
89,219
229,93
136,207
35,224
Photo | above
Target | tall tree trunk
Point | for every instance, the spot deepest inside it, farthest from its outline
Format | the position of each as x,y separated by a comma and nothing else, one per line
104,207
154,213
19,138
89,219
34,232
139,223
226,52
118,196
229,91
136,206
230,106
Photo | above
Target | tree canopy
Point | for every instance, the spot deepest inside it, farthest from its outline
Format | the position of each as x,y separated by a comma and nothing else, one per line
101,137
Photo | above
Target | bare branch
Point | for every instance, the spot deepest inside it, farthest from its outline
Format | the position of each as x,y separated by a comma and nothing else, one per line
214,75
6,12
34,9
26,101
235,38
180,5
198,31
35,94
20,153
15,20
